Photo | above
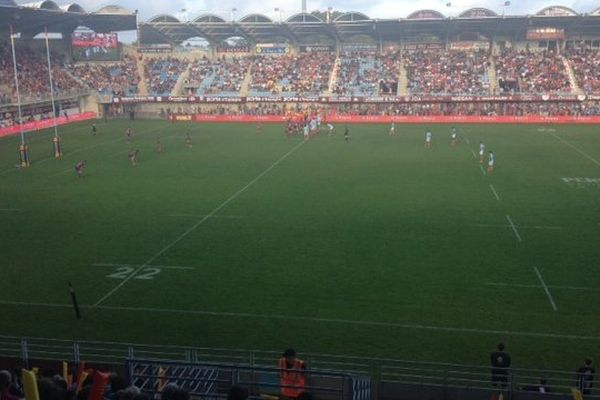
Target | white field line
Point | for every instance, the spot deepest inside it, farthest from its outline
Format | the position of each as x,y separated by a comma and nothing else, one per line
203,216
467,140
482,170
196,225
9,210
518,285
577,149
338,321
135,266
495,192
552,303
540,227
473,152
63,172
514,228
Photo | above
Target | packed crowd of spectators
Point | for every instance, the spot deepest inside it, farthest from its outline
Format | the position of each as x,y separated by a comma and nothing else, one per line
162,73
586,108
306,74
34,81
119,79
531,72
454,72
366,73
218,77
586,67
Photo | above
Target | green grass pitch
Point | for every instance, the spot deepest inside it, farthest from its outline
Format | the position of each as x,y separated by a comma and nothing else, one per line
375,247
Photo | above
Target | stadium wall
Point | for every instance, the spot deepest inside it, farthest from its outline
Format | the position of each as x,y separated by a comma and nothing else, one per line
384,119
47,123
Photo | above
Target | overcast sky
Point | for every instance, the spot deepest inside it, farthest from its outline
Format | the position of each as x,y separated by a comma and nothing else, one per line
374,9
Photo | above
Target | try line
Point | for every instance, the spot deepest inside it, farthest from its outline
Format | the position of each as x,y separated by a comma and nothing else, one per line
196,225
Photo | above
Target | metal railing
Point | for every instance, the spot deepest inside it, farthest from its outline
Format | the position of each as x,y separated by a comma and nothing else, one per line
379,369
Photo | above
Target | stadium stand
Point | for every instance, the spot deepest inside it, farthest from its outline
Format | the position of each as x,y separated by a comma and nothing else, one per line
162,73
221,77
586,66
118,79
291,75
531,72
33,75
447,72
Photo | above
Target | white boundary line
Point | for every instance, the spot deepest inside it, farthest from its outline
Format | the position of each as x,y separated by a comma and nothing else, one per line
202,216
10,209
136,265
474,155
494,191
552,303
519,285
467,140
577,149
315,319
62,172
482,170
196,225
514,228
540,227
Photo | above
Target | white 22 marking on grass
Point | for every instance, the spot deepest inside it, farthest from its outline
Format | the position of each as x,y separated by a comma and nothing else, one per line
146,273
581,182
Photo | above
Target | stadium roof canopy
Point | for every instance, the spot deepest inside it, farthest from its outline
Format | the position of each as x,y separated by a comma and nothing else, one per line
32,18
300,28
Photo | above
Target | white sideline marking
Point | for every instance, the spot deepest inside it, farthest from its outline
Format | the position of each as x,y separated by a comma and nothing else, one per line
494,191
63,172
537,272
541,227
314,319
9,209
196,225
137,265
473,152
514,228
579,288
203,216
467,140
577,149
482,170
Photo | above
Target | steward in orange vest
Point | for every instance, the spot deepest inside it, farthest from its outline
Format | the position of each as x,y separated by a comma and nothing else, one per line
292,377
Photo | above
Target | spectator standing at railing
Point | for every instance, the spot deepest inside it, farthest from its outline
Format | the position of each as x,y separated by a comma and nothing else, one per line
5,385
500,361
585,377
292,375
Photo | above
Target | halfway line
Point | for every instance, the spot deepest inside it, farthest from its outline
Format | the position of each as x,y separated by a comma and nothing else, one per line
196,225
545,288
514,228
